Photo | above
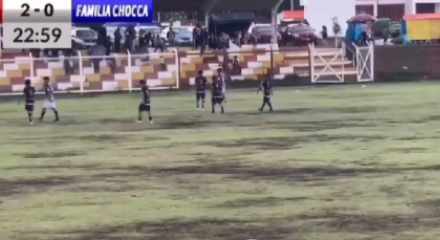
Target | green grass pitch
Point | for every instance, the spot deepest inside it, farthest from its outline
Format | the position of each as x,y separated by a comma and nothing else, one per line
340,163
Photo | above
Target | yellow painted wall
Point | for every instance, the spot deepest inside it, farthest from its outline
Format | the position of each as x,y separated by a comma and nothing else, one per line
423,29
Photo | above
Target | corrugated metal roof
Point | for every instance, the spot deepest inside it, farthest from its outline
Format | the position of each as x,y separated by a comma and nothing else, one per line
416,17
217,5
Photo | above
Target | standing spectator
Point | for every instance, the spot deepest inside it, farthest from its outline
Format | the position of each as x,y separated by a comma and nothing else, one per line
236,68
118,38
203,38
130,35
97,52
149,39
385,35
324,32
212,42
158,44
244,39
171,36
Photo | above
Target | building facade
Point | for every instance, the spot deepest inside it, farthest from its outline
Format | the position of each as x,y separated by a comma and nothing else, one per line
396,9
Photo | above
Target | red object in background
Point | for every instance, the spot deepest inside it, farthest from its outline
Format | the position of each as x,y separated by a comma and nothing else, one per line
294,15
1,11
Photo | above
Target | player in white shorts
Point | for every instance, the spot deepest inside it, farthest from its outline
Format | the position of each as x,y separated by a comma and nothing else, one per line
49,101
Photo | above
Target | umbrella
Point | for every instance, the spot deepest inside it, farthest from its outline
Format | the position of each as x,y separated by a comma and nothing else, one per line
362,18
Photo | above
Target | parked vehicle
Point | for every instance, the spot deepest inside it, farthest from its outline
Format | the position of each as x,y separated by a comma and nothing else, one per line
84,37
298,35
184,35
264,32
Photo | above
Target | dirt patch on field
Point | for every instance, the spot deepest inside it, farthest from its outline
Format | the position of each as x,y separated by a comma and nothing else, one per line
51,154
284,143
20,186
364,223
215,229
259,202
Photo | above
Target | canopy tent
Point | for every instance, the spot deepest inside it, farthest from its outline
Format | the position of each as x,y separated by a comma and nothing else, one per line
229,23
225,18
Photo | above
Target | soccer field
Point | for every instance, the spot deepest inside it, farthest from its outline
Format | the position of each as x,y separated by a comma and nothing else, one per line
340,163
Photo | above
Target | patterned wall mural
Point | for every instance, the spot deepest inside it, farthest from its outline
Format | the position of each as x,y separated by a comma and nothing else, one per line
162,70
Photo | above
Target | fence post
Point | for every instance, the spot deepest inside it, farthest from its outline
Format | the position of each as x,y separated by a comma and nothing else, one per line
81,72
130,72
176,56
343,62
312,62
372,73
32,72
271,61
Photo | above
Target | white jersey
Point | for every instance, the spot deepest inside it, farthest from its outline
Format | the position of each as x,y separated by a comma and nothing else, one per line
49,101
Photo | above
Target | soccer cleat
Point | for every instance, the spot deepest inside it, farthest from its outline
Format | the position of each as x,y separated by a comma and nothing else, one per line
151,121
31,123
138,121
203,109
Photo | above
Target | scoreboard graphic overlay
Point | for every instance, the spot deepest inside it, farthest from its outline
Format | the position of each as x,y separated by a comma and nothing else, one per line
48,23
36,24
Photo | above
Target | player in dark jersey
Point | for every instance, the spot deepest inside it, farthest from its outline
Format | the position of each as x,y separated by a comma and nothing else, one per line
145,105
29,98
201,82
49,101
266,87
217,94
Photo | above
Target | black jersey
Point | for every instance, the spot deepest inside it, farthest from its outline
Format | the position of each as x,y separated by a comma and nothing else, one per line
266,86
201,84
217,89
145,95
29,95
48,90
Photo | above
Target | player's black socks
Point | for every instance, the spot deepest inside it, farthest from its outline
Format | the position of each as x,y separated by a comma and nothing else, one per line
43,112
57,117
150,117
223,109
203,104
270,106
213,108
140,116
262,106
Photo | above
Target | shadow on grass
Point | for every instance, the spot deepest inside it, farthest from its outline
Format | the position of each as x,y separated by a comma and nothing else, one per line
214,229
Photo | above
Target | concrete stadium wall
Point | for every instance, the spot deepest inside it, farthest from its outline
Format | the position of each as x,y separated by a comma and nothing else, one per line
289,67
406,63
